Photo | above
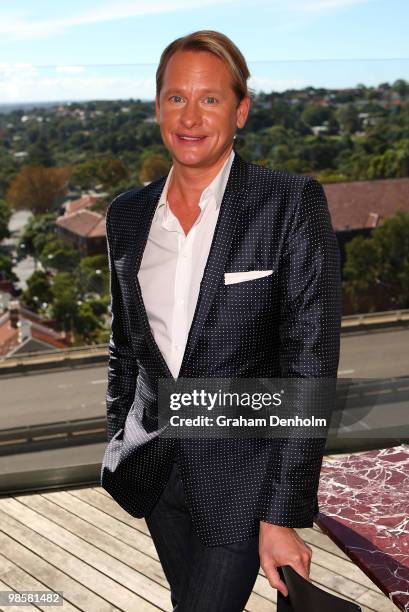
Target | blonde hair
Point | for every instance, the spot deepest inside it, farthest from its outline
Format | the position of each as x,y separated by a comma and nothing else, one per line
212,42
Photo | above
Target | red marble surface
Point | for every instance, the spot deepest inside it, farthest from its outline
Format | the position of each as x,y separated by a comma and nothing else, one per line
364,508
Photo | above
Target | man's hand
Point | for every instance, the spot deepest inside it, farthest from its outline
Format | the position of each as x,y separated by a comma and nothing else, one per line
282,546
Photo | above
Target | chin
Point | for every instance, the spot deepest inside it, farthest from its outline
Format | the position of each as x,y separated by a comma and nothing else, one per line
191,160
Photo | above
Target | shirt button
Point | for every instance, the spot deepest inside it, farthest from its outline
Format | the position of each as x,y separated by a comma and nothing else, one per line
180,302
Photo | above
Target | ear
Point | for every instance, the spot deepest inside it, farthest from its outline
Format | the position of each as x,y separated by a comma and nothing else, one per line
157,110
242,111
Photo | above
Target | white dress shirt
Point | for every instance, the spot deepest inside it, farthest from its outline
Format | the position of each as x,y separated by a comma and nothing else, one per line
172,267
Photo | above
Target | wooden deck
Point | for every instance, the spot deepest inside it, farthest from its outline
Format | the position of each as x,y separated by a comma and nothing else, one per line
81,542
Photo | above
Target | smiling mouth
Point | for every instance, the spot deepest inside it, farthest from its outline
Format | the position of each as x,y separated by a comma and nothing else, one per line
190,139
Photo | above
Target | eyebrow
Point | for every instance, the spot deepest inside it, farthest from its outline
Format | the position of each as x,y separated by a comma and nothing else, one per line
180,89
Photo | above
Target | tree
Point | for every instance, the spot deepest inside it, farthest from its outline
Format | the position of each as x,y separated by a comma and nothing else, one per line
401,87
35,232
315,115
86,323
153,167
38,290
6,268
109,172
58,255
347,117
37,188
64,307
381,262
5,214
39,153
92,275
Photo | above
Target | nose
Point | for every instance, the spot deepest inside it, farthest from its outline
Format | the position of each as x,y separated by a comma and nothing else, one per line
191,114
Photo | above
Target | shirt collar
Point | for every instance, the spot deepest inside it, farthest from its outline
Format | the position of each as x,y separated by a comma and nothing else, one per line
215,188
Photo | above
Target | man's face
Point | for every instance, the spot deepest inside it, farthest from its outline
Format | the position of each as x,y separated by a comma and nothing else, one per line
197,100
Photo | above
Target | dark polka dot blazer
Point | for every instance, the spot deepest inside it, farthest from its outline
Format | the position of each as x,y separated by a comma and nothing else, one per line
286,324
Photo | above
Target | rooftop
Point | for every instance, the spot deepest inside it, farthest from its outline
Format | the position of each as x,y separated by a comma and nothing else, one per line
79,541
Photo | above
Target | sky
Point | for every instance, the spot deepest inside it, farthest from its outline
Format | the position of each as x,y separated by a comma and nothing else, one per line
100,49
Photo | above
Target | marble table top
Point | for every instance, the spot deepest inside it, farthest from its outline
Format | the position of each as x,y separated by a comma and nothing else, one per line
364,508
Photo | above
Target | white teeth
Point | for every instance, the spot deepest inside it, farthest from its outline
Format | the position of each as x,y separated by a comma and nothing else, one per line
189,138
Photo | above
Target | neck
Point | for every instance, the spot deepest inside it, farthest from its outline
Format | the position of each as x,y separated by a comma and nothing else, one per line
187,183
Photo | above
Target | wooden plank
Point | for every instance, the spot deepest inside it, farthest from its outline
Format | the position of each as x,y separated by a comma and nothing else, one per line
321,540
324,577
262,587
50,523
259,604
377,601
122,532
48,574
6,587
333,583
343,567
101,490
49,542
110,507
156,586
20,580
49,519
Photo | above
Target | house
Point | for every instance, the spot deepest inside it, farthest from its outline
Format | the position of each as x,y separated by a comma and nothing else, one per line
358,205
24,331
84,230
79,204
356,208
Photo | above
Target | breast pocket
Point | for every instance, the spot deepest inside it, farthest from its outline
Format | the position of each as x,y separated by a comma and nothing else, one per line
247,298
231,278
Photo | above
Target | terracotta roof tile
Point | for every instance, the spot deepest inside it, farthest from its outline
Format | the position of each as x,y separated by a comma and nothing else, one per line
83,223
360,204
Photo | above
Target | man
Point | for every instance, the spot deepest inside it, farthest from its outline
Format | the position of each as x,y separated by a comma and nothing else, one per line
220,269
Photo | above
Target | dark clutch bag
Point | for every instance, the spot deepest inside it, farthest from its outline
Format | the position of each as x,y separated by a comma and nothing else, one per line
304,596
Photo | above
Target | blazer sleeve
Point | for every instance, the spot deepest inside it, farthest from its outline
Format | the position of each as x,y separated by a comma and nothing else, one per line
122,364
309,329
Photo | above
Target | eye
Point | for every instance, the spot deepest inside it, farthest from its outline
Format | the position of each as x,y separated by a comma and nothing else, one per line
211,98
175,96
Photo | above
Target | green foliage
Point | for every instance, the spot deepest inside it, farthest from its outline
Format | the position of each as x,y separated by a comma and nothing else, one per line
86,323
315,115
38,290
92,275
5,214
6,265
57,255
109,142
34,233
64,307
380,262
117,145
153,167
108,172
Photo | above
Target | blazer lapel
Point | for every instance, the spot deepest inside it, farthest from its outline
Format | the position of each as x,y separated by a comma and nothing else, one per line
145,222
230,208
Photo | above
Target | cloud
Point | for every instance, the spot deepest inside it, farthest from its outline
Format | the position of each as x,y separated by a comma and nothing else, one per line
32,85
22,26
35,84
268,84
70,69
330,5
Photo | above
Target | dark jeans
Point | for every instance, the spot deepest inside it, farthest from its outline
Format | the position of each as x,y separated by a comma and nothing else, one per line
202,578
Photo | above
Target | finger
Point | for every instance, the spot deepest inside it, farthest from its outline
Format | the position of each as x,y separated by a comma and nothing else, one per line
301,569
306,559
274,579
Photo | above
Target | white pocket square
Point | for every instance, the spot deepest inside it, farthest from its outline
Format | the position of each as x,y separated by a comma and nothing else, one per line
239,277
